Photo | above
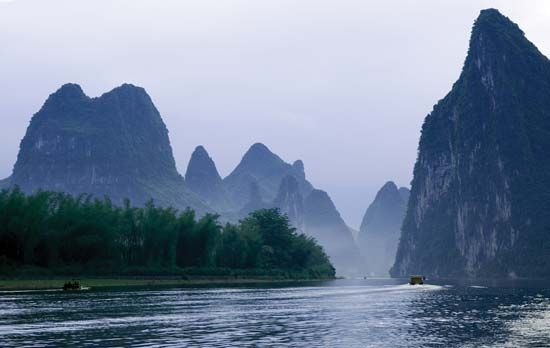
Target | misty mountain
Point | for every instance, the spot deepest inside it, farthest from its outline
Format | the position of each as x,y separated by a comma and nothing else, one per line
115,145
381,228
290,201
4,183
254,201
261,166
405,194
480,197
323,221
203,178
263,180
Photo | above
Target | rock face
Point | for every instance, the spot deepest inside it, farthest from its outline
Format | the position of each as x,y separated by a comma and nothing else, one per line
289,200
255,201
405,194
381,228
116,145
480,198
203,178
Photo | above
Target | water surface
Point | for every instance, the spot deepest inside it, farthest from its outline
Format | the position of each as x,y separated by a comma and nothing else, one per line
341,313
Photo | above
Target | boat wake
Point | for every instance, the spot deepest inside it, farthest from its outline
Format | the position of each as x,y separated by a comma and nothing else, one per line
32,290
423,287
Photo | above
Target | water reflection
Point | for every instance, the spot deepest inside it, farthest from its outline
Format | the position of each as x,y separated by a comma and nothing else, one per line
377,313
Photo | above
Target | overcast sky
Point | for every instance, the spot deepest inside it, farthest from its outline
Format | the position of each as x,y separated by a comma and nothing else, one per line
342,85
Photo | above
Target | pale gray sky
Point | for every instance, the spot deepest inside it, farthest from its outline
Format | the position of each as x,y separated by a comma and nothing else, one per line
343,85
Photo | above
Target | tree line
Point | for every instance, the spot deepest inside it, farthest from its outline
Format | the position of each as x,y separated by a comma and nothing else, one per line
56,231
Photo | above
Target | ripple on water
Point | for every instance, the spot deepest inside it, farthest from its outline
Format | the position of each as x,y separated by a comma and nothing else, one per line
340,313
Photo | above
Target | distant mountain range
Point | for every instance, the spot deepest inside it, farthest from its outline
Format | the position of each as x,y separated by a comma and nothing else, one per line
480,197
117,146
263,180
380,229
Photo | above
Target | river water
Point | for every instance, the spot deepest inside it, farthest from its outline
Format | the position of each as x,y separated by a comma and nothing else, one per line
340,313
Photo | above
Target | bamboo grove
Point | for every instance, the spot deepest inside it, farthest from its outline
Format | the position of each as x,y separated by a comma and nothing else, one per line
48,231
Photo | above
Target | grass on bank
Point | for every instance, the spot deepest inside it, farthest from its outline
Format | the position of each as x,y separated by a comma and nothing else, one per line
34,278
94,283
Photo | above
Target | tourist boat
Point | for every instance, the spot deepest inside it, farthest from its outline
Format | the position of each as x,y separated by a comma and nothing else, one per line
417,280
72,285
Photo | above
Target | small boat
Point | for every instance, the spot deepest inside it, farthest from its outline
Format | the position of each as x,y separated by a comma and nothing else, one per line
72,285
417,280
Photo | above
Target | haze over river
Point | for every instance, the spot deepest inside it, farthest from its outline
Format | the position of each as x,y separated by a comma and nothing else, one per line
340,313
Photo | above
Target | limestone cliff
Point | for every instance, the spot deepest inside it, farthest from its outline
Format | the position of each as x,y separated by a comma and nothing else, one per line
480,200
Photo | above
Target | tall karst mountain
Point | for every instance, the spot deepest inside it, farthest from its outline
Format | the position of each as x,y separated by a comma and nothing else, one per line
203,178
480,197
115,145
381,228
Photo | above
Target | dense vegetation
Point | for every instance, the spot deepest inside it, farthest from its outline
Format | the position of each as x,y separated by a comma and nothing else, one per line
55,232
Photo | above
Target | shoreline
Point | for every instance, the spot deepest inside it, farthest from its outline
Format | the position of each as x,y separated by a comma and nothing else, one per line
109,282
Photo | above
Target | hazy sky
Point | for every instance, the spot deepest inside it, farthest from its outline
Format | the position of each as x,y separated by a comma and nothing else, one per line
342,85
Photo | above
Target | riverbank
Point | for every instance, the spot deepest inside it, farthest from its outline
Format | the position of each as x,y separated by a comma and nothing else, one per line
57,283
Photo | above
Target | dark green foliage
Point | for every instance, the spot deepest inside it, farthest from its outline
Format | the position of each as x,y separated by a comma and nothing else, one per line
83,235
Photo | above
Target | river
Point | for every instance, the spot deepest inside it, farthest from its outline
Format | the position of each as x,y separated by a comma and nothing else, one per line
340,313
